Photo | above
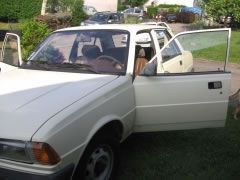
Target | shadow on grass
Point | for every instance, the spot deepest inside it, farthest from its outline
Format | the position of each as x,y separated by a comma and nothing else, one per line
193,154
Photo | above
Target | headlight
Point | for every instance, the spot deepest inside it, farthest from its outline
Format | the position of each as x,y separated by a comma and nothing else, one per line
82,24
14,150
28,152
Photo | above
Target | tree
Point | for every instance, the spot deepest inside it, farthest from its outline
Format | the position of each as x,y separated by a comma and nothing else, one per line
44,5
134,3
227,8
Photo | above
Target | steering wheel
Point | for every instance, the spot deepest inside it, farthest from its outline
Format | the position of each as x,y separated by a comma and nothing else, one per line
112,59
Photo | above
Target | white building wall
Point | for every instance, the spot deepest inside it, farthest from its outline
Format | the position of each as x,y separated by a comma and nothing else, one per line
103,5
188,3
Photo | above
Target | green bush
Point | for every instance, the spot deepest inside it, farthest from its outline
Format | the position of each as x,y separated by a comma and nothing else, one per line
152,11
75,7
133,20
55,21
78,14
33,33
169,6
19,9
121,7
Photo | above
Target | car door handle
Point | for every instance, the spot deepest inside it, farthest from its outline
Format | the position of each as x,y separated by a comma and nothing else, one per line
180,62
215,85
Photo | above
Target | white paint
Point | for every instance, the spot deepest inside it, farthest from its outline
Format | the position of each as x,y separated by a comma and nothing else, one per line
106,5
181,2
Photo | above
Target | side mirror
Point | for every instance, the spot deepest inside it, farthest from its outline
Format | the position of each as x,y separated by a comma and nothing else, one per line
149,69
11,50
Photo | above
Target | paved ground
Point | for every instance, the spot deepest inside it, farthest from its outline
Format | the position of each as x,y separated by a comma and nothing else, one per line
178,27
234,68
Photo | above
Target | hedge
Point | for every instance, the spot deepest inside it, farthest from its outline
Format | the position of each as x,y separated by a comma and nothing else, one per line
19,9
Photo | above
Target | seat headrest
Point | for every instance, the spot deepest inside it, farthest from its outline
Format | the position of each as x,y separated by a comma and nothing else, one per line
141,53
91,51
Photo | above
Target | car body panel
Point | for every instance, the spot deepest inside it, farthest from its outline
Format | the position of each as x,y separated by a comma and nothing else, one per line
89,10
180,102
20,98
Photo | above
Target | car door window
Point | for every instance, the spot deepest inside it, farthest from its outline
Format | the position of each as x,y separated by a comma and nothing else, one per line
197,50
170,52
145,41
137,10
115,18
10,54
163,37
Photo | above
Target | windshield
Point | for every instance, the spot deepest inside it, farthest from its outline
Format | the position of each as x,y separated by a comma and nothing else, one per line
93,51
99,17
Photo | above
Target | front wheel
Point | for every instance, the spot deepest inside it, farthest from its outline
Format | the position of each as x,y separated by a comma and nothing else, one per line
99,160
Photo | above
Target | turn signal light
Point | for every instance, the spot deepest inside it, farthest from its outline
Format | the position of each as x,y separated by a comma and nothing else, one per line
45,154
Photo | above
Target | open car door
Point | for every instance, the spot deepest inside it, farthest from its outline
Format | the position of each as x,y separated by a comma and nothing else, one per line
190,99
11,52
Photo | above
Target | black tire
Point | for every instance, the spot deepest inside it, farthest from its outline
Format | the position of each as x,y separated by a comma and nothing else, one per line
100,160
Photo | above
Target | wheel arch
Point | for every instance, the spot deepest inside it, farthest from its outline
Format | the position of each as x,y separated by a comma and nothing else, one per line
109,124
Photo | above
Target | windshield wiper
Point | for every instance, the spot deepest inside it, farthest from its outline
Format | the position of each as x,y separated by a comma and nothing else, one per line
37,64
75,66
50,66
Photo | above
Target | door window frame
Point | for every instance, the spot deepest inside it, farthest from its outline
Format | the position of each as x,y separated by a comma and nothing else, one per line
18,47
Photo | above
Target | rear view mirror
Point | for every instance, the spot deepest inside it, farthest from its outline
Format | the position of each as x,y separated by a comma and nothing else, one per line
84,37
11,50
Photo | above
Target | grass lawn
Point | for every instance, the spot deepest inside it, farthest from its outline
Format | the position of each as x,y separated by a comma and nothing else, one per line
217,52
186,155
13,26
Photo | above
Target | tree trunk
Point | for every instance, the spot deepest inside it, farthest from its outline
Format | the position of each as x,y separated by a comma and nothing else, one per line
44,5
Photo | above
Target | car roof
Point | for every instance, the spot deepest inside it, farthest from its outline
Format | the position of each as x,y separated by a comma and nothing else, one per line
127,27
106,12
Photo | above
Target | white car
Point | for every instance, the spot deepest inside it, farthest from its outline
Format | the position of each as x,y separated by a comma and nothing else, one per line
163,24
83,91
89,10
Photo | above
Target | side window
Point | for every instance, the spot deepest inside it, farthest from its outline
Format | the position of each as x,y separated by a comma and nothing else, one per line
196,52
120,40
10,52
144,51
115,18
163,37
170,52
131,10
145,42
137,10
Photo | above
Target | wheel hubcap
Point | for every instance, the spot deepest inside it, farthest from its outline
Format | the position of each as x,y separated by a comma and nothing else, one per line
100,164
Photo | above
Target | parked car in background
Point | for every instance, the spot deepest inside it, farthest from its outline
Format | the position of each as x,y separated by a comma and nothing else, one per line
194,10
104,18
224,19
171,18
65,111
89,10
163,24
136,12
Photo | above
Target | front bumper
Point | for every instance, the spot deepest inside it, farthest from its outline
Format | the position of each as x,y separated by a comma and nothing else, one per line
64,174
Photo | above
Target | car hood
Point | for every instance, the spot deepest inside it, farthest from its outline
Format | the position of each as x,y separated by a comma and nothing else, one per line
5,67
28,98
